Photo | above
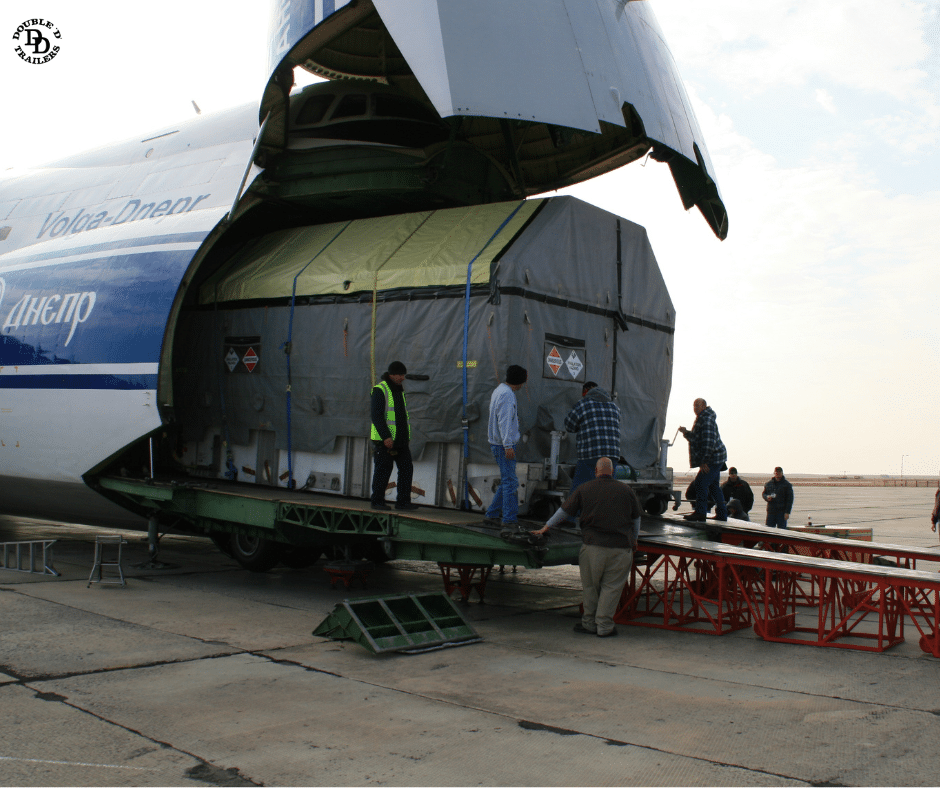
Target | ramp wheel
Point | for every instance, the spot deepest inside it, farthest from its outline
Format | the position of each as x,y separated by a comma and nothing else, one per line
254,553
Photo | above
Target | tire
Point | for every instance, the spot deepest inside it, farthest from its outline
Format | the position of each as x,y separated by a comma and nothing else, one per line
301,557
656,505
254,553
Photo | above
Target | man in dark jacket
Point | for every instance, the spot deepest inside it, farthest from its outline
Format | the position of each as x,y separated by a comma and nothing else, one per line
708,454
596,421
778,493
610,526
391,434
736,487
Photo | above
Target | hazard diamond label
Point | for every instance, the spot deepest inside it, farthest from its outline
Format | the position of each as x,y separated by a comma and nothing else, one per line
250,359
554,360
231,359
574,364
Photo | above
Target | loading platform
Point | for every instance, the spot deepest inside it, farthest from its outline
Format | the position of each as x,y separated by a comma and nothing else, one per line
448,536
790,587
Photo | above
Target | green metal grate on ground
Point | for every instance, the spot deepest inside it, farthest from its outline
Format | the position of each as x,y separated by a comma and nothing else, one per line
400,623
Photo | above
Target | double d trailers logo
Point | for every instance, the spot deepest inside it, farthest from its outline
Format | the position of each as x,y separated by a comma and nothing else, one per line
35,41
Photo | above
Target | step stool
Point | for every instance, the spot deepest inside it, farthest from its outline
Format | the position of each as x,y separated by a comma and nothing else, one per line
101,542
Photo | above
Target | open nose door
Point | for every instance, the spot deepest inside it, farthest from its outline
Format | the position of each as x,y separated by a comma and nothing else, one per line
554,91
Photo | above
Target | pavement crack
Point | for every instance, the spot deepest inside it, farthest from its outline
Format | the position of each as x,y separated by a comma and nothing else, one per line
26,680
750,685
203,771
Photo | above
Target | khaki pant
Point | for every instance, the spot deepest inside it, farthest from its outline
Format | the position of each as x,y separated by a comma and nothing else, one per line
604,572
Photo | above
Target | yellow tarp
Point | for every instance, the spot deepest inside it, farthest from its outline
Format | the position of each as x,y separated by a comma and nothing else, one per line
406,250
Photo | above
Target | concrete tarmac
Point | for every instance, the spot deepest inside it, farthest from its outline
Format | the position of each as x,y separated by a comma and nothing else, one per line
204,673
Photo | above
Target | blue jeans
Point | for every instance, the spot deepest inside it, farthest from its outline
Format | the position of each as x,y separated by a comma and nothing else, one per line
584,472
776,519
706,485
505,503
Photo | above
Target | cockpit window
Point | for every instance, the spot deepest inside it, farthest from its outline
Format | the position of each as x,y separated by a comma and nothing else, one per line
350,106
314,109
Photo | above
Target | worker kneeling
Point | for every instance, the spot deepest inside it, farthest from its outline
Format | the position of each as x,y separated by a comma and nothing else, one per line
610,526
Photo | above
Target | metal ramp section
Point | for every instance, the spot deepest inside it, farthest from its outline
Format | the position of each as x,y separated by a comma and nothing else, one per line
295,517
813,545
34,557
409,623
699,586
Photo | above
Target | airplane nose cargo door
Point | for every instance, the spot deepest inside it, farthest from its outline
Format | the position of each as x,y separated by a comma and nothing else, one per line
554,91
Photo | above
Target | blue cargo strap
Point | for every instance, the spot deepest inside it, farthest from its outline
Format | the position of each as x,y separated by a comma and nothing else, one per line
466,330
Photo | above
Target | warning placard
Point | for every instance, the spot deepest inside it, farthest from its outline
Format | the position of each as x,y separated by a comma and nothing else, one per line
242,354
574,365
553,360
565,358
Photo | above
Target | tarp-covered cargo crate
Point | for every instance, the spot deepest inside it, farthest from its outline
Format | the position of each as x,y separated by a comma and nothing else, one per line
566,290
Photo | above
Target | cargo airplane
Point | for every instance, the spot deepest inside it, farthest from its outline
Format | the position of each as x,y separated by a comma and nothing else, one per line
429,105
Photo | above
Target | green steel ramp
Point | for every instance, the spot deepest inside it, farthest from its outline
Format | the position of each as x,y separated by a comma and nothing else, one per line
411,623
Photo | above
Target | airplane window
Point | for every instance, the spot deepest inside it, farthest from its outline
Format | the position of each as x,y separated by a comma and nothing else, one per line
313,110
350,106
391,106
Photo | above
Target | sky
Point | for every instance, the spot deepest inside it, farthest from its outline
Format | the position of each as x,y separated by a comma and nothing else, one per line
812,330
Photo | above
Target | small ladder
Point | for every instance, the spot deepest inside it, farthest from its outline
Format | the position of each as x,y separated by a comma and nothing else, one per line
23,556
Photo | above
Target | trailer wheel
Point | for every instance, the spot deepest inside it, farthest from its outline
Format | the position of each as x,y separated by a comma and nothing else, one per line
301,557
254,553
656,505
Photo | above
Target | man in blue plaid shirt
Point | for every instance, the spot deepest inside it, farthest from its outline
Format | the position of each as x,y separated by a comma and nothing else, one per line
596,420
708,454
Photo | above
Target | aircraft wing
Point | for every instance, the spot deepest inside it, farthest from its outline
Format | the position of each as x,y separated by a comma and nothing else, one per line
558,91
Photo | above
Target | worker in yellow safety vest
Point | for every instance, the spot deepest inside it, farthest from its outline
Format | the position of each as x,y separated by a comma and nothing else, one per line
391,432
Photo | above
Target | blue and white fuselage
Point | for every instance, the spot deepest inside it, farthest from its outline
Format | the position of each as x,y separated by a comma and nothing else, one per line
93,254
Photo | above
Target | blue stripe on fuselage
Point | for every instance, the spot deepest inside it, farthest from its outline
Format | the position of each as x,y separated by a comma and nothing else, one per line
112,382
151,240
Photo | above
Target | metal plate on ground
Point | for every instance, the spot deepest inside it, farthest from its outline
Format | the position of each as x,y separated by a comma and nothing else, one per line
410,623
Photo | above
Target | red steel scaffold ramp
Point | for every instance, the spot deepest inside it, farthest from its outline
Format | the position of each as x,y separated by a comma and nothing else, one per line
687,583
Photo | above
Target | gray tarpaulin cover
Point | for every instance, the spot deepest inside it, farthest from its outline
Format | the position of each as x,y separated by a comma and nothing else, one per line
544,295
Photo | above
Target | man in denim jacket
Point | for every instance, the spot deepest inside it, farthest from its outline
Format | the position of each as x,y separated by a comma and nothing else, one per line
503,435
